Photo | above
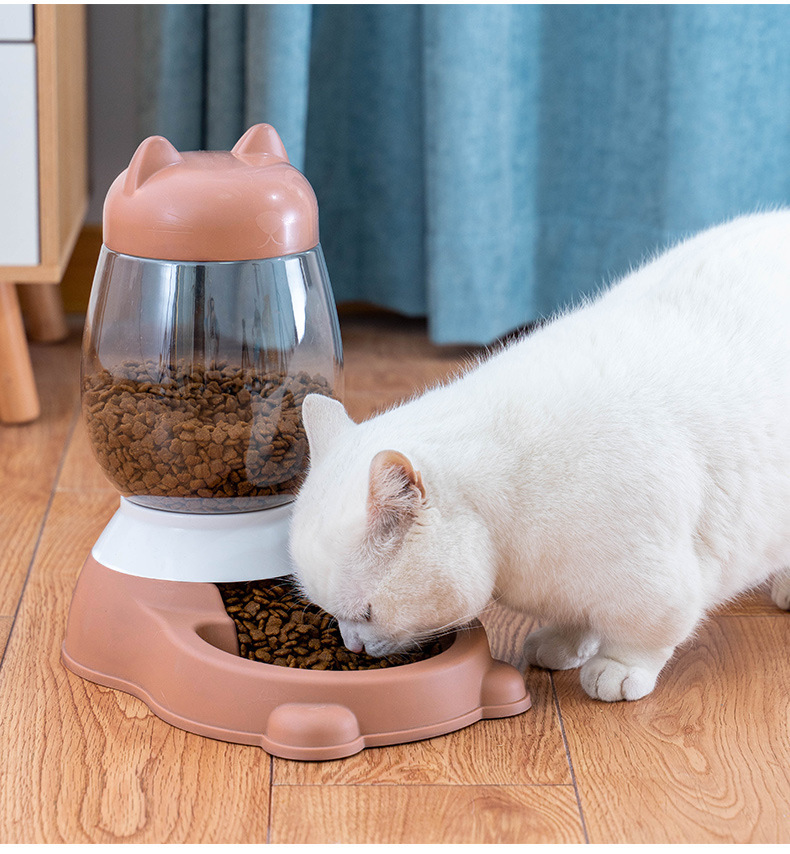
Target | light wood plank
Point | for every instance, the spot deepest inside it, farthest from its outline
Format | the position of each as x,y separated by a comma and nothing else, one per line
507,631
5,631
29,458
704,758
526,749
87,764
62,115
80,471
425,814
21,519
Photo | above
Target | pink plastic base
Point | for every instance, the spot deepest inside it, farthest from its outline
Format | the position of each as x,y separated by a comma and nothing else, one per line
172,645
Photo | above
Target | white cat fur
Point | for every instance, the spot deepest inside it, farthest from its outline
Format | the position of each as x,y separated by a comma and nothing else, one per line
616,473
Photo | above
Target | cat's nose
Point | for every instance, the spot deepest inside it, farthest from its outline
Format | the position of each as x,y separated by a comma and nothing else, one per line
351,638
355,646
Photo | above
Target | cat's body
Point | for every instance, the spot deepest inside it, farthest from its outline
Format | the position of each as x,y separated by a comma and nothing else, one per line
616,473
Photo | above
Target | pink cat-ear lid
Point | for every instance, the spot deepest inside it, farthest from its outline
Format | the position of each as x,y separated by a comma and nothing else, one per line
152,155
205,206
260,139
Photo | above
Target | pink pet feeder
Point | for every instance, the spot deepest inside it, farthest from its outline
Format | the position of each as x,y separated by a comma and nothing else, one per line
211,317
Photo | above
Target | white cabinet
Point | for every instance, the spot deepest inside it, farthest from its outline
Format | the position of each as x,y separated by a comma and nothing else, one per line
43,138
16,22
19,239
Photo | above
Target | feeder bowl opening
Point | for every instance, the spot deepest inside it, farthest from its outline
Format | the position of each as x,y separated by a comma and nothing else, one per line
173,645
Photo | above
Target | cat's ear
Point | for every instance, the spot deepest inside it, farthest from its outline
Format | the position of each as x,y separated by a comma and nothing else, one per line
324,420
395,492
152,155
260,139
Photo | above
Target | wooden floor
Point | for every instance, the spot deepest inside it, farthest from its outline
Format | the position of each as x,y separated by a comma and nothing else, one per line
705,758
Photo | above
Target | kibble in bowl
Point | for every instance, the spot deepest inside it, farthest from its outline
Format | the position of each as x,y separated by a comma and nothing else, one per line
276,625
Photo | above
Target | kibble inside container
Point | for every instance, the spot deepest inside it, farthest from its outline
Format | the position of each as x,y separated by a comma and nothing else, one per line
194,374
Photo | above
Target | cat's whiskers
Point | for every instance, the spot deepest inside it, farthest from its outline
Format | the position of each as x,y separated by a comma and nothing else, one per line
455,625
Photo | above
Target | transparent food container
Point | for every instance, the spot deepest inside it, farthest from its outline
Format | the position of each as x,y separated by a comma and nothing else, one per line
193,377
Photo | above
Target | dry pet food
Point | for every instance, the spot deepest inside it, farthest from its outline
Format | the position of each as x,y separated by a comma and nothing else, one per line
276,625
182,442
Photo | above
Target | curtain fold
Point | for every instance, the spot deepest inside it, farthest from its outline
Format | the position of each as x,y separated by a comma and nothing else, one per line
485,166
481,156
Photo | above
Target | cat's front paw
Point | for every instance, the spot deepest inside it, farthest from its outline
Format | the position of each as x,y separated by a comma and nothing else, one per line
606,679
558,649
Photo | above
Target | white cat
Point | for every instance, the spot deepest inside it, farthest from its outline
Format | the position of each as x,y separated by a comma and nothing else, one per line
616,473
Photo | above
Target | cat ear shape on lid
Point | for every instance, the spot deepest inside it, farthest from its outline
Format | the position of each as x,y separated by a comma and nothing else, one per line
395,493
152,155
260,139
325,419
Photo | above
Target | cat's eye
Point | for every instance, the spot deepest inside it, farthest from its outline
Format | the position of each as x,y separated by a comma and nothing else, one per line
368,615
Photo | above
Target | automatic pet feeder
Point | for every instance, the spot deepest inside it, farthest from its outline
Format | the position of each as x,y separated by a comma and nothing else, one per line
211,317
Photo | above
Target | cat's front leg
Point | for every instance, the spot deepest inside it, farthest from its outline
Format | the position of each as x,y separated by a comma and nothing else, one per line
657,608
560,648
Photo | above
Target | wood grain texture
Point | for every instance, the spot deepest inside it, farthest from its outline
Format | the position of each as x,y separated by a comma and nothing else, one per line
62,115
29,459
425,814
80,471
526,749
704,758
88,764
507,631
5,630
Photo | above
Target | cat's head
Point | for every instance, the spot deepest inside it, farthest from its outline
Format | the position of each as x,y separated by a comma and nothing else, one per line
376,543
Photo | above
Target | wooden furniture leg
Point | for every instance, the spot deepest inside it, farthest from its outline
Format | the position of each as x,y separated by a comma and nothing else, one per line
42,307
18,395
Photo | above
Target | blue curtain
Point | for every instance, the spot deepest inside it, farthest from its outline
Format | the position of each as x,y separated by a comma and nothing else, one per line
485,166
